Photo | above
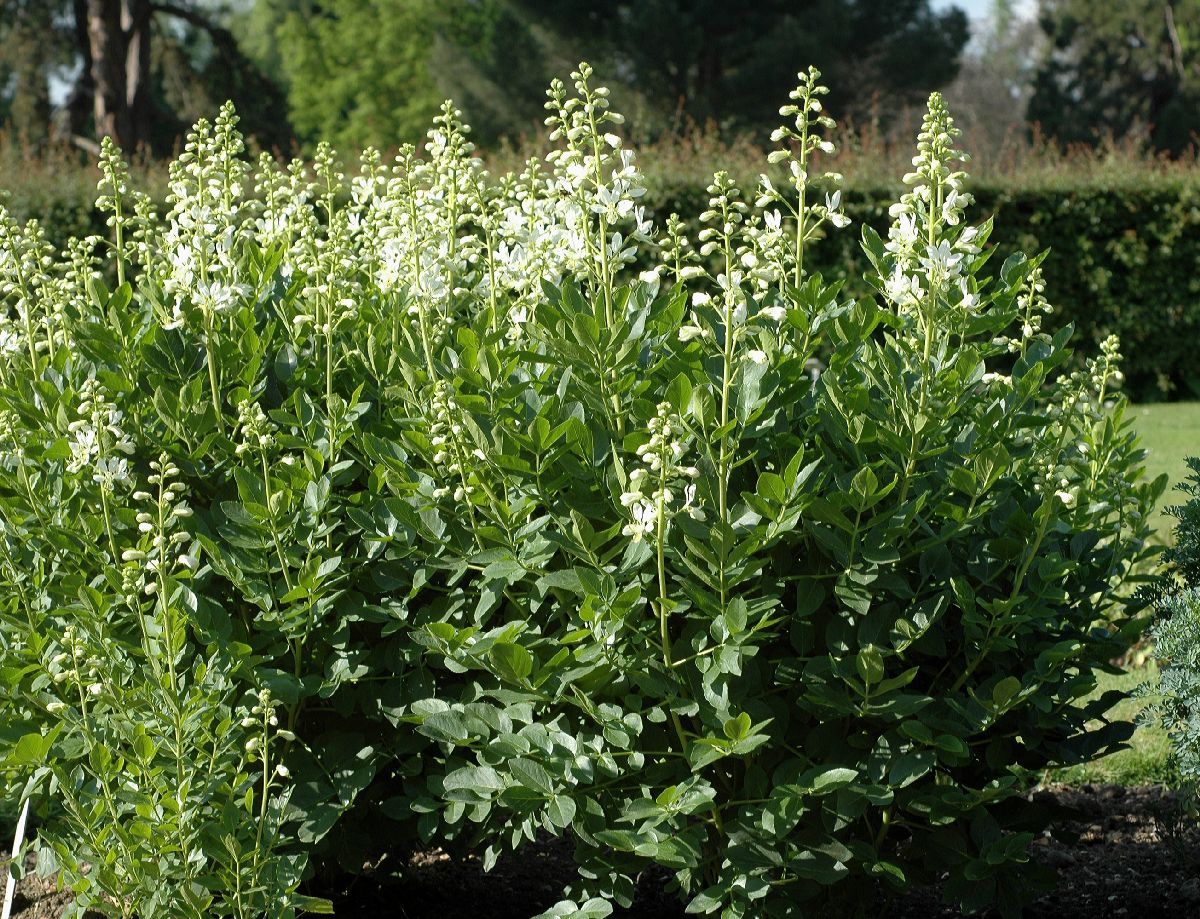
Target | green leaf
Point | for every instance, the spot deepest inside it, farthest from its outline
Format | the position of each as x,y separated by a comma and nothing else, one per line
531,774
561,811
864,484
1004,690
286,362
833,779
58,451
679,393
869,664
31,749
511,662
475,782
737,728
317,905
143,748
505,569
594,908
449,726
771,487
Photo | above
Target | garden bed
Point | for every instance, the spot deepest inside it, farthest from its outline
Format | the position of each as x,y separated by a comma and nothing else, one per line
1119,857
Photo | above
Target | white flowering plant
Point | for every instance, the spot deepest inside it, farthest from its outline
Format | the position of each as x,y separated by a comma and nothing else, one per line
411,508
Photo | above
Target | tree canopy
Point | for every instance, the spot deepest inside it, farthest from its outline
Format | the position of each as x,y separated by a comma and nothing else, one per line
362,72
1119,67
373,70
731,63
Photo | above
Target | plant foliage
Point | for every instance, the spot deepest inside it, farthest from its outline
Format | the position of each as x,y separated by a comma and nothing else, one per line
406,503
1175,701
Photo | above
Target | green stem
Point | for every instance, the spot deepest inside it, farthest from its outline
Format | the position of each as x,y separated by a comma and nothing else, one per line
723,458
605,276
214,386
118,226
283,565
664,607
800,212
112,545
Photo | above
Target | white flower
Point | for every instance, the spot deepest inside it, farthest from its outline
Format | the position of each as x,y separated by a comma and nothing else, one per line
775,313
84,446
759,357
645,518
903,289
941,261
110,472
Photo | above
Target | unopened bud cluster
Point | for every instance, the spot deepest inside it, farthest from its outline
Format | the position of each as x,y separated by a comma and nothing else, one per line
264,722
161,552
453,453
255,432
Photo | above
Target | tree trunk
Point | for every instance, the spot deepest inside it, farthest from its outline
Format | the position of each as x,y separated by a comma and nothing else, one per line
135,20
80,103
119,42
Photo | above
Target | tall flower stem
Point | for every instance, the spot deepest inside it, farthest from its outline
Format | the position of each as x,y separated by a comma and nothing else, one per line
211,360
664,603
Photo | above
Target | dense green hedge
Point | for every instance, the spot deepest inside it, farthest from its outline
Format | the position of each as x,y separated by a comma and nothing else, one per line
1124,257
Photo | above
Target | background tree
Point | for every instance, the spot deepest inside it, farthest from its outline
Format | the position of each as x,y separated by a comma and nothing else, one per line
35,39
990,95
1118,68
730,63
138,70
364,72
373,71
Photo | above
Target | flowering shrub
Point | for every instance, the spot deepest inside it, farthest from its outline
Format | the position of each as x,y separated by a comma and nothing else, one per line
406,498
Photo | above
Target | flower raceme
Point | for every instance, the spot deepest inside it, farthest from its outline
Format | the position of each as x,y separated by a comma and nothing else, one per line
660,480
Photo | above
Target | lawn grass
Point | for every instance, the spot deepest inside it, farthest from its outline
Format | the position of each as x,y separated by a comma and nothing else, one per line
1170,432
1147,759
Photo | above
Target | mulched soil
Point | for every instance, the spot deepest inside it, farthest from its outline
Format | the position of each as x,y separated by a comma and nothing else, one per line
1118,855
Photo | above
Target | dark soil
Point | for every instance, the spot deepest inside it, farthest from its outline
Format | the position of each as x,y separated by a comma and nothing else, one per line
1120,854
1124,855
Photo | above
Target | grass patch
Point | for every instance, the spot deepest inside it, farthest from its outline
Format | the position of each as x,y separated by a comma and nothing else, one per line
1146,761
1170,432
